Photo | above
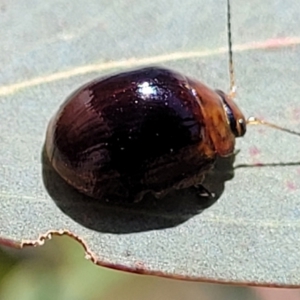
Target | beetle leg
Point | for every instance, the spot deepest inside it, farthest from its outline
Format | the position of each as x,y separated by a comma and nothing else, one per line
203,192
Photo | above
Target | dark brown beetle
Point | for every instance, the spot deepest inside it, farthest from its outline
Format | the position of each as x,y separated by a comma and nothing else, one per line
146,130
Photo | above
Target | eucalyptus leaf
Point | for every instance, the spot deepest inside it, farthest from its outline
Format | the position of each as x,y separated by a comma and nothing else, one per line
250,235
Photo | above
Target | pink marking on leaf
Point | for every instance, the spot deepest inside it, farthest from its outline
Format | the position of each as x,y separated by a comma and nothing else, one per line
261,130
277,42
296,114
254,151
291,186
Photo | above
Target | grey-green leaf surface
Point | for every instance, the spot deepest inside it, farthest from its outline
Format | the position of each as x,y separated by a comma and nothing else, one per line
251,234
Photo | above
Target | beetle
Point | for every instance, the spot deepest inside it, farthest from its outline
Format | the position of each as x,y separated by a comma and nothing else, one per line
149,130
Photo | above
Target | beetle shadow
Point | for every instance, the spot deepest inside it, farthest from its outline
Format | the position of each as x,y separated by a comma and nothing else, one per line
149,214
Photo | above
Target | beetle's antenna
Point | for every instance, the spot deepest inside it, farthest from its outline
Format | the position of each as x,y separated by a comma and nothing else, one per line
231,69
255,121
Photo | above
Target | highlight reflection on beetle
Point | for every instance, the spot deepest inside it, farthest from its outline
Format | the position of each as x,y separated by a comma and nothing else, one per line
146,130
